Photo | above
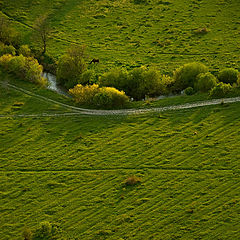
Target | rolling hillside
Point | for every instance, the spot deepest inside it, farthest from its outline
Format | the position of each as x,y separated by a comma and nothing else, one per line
71,171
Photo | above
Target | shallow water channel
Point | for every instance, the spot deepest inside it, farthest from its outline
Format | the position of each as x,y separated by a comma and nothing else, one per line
52,84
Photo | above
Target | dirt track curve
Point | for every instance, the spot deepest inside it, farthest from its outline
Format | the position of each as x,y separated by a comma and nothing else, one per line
83,111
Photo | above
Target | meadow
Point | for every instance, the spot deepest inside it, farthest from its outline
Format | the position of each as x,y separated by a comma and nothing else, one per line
71,171
161,34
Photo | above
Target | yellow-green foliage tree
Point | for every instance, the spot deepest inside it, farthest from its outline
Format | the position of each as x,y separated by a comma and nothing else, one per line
110,97
106,97
25,68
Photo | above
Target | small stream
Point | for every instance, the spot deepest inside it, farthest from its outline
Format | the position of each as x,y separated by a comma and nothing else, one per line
52,84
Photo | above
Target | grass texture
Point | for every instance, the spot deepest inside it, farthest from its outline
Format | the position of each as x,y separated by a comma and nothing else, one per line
162,34
71,171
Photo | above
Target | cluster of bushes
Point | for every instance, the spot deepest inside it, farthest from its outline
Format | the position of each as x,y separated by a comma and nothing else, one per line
25,68
10,49
195,77
107,97
138,83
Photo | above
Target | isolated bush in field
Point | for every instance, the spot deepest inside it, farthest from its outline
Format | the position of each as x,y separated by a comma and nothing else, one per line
25,68
96,96
71,66
205,82
220,90
186,75
202,31
189,91
228,75
25,51
7,49
131,181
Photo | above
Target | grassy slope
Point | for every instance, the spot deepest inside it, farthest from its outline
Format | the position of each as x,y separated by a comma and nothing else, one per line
122,33
70,170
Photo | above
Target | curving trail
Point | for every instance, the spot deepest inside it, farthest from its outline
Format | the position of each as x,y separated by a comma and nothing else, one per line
83,111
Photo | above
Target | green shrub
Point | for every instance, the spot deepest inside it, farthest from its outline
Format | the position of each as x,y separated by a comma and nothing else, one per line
117,78
25,51
25,68
71,66
202,31
153,84
7,49
131,181
100,97
220,90
142,83
228,75
88,77
138,83
205,82
186,75
189,91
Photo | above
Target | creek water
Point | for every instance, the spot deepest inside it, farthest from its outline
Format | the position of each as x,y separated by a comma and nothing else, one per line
52,84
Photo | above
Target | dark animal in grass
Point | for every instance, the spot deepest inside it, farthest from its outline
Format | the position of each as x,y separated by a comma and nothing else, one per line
95,60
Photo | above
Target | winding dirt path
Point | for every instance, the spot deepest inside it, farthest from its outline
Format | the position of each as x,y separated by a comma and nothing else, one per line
83,111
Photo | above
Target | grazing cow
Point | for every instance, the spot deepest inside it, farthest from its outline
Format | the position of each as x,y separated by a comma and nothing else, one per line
95,60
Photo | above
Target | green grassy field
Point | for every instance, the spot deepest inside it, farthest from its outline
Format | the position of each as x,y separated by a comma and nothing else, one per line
70,171
125,34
